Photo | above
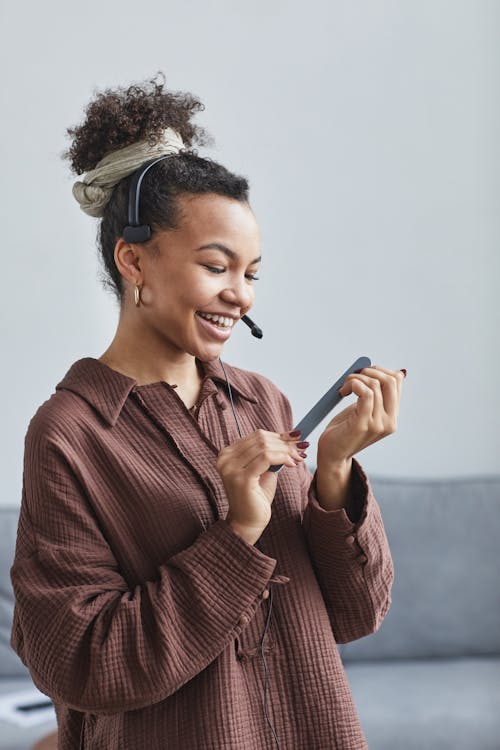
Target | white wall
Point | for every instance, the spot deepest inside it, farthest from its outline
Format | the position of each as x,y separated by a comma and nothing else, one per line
369,133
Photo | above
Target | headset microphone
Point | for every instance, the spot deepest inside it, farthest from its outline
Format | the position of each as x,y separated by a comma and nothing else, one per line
254,329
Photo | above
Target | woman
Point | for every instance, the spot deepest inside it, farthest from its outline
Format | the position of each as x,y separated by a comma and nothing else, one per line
151,531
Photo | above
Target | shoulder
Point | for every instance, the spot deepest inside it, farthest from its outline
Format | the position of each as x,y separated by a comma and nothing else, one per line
86,400
59,420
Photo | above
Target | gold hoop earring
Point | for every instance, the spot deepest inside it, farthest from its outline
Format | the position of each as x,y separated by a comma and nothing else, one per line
137,297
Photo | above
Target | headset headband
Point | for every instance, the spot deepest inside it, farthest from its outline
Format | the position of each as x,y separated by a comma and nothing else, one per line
135,231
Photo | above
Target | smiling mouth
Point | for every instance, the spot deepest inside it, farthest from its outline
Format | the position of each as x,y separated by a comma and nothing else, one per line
217,320
213,330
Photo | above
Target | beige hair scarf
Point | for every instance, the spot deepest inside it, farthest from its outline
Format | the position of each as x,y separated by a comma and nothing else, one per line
94,191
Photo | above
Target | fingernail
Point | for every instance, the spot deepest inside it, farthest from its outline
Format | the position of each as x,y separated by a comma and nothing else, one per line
403,371
301,453
303,444
295,433
357,371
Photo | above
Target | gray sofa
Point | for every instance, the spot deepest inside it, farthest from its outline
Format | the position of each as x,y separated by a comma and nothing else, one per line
429,678
13,674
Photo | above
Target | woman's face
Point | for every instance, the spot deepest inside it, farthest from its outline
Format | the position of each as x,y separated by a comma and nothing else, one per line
183,280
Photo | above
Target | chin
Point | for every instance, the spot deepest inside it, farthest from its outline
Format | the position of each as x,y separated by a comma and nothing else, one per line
207,353
213,353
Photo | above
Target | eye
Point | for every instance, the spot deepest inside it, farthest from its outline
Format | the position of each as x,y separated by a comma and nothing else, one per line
249,276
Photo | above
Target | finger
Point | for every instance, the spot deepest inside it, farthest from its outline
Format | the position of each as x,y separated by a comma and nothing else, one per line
243,445
373,384
389,392
279,441
245,450
399,375
289,436
253,465
366,398
378,414
261,462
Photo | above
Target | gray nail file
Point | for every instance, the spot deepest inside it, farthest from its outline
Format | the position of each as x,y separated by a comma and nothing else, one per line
326,403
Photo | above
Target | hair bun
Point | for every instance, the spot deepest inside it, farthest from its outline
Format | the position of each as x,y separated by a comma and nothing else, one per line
119,117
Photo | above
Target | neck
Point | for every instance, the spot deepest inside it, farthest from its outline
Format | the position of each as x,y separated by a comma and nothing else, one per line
139,355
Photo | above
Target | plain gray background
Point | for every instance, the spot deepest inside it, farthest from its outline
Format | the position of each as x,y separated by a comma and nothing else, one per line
369,133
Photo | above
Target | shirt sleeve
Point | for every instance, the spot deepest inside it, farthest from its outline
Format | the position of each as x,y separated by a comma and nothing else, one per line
351,558
349,552
88,640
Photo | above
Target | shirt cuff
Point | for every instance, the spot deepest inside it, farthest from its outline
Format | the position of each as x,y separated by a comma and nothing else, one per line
355,509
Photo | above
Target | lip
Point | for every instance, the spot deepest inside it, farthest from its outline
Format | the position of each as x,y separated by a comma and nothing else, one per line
221,334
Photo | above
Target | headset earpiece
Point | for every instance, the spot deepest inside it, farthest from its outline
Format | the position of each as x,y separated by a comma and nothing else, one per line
137,234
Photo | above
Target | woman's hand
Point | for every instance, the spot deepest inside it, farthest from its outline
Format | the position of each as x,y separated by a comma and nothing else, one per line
372,417
250,486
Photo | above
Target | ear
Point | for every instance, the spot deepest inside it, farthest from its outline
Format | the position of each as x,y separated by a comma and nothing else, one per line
128,260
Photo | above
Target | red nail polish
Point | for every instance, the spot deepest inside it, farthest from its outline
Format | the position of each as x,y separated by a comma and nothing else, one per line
303,444
301,453
357,371
295,433
403,371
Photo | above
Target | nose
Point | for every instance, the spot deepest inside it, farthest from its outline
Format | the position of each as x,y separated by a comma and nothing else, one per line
240,293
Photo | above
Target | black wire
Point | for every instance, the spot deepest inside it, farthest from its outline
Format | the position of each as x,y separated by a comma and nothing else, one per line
231,397
265,663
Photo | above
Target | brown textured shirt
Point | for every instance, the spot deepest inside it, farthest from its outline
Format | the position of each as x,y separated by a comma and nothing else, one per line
138,609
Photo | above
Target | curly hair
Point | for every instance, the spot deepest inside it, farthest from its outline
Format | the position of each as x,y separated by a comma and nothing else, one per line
118,117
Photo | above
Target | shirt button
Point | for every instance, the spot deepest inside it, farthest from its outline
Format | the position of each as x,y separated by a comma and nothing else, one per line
265,594
362,558
244,620
350,539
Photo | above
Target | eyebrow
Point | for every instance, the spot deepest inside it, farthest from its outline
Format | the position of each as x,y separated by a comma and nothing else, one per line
225,250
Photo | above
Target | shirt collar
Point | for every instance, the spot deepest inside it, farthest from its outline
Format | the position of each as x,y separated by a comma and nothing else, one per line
107,390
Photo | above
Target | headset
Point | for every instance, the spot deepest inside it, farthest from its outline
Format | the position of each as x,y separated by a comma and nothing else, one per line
135,232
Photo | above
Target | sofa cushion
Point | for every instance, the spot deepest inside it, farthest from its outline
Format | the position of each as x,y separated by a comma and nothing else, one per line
12,736
438,704
443,535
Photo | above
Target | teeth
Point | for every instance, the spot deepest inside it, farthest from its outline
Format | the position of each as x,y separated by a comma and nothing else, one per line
223,322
